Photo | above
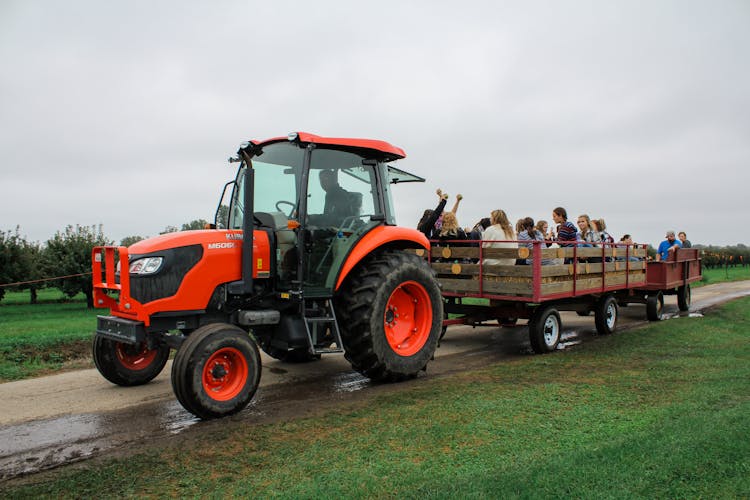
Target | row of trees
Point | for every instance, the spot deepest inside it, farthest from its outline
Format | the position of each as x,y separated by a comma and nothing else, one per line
713,256
31,266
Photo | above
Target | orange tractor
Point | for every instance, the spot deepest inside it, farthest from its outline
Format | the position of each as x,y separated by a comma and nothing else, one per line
308,261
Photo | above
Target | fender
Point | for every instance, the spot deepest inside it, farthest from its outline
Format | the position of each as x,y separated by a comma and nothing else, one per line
394,236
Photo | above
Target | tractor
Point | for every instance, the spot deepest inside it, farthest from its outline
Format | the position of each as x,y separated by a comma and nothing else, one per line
305,259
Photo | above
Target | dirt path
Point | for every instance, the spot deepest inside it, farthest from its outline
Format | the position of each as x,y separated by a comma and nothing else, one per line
47,421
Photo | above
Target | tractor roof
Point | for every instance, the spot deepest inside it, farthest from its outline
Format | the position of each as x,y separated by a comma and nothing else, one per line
389,150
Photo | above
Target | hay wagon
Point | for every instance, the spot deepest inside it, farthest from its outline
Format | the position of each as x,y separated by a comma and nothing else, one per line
541,282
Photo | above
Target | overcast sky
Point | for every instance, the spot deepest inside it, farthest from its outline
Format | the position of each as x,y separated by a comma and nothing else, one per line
123,113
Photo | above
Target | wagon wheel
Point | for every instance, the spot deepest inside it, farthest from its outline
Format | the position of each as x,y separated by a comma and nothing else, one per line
545,329
655,306
606,313
684,298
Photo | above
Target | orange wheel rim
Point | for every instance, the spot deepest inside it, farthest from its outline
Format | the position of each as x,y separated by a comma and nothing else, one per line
135,357
225,374
408,318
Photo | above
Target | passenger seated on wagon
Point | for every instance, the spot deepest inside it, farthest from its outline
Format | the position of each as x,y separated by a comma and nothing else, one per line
567,234
451,234
601,226
476,232
426,224
668,246
683,240
566,231
454,210
588,233
543,227
589,236
526,237
499,230
627,240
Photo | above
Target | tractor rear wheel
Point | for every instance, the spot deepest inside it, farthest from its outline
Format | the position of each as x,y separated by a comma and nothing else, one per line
216,371
391,312
128,365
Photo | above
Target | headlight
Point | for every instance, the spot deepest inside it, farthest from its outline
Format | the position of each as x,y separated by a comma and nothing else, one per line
146,265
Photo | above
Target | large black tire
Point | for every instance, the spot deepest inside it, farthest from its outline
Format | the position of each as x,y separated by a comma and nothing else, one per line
545,329
128,365
216,371
684,298
655,306
390,312
605,315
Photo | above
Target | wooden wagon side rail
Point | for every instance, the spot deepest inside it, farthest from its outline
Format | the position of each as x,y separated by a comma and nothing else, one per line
462,272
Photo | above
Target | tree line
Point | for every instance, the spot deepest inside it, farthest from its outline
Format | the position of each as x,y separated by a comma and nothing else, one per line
26,265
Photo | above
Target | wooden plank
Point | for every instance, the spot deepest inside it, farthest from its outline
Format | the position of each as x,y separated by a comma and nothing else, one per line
489,287
472,252
461,269
584,284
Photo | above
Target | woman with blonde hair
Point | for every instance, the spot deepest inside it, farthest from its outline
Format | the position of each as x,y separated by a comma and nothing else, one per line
589,233
497,236
450,230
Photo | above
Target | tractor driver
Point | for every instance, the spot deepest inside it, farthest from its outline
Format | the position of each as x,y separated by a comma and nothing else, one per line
339,203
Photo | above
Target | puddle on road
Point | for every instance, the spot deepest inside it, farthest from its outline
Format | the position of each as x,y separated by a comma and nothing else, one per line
568,339
45,444
175,419
350,382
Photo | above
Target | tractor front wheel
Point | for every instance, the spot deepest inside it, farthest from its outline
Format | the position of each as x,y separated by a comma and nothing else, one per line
128,365
216,371
391,314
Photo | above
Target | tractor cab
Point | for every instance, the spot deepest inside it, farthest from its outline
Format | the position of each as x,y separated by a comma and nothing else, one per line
316,197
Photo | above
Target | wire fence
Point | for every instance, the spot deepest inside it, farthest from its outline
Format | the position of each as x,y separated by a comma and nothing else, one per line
42,280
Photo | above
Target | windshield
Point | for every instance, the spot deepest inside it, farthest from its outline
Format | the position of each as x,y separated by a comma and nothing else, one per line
277,173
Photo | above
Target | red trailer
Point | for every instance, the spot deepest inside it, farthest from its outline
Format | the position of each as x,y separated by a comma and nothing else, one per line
671,277
537,283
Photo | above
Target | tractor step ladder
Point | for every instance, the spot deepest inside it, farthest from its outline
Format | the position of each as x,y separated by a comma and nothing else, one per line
322,327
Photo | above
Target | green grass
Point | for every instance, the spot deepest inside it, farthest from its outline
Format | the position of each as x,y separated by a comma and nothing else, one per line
711,276
40,338
658,412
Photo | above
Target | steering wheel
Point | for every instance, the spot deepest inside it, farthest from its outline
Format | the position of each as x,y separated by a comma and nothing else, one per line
284,202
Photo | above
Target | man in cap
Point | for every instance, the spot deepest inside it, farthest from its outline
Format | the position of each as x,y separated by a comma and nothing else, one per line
669,245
